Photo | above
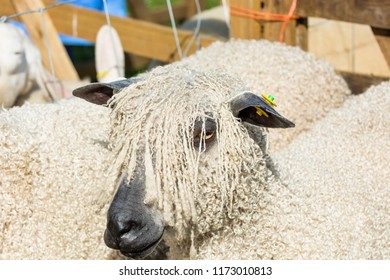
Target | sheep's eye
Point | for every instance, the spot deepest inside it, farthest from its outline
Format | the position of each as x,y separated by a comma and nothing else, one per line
208,135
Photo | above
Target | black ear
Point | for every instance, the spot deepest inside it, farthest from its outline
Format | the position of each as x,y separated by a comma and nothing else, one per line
100,93
256,110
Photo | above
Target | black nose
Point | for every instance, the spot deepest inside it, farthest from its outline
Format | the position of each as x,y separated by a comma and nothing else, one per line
119,231
123,232
132,227
134,239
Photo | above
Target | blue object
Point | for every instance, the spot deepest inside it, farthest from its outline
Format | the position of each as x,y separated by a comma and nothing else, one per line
19,25
114,7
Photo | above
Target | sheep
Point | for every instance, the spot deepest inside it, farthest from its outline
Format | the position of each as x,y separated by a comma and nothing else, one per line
13,65
21,69
221,201
23,78
54,160
333,198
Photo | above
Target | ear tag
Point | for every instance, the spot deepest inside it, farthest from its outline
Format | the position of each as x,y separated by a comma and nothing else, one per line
261,112
270,99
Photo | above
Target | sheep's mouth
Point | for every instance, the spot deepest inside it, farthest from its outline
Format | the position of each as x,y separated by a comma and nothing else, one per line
133,249
143,252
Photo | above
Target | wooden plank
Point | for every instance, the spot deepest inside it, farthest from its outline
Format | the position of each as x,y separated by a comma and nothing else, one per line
383,38
371,12
7,8
138,37
347,46
359,83
63,67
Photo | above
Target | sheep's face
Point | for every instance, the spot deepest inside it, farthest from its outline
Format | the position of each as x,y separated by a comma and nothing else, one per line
179,138
13,64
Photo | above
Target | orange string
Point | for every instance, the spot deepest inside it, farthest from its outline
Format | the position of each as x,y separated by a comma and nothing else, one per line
257,15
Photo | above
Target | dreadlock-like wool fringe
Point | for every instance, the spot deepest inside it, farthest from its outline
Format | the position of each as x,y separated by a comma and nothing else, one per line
152,127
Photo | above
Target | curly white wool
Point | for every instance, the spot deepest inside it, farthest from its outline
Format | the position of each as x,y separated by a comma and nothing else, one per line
333,199
54,192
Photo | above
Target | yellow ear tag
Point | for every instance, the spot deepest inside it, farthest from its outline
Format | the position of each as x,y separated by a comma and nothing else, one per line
270,99
260,112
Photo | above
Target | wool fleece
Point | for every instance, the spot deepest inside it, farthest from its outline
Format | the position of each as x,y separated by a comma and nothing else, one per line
332,200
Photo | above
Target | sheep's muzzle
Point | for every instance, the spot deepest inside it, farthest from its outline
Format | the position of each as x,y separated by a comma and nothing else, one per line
133,227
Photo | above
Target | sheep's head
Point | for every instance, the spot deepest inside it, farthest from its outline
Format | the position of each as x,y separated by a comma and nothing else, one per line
182,153
13,64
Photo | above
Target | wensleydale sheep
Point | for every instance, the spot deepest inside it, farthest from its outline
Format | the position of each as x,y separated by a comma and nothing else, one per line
175,139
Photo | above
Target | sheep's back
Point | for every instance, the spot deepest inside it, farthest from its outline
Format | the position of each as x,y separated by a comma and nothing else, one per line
54,191
340,173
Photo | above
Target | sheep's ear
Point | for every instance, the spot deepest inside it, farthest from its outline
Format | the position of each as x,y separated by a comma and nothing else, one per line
256,110
100,93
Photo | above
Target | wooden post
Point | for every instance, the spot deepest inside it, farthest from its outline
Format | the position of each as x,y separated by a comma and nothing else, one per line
301,33
63,67
296,30
383,38
370,12
245,28
271,29
358,83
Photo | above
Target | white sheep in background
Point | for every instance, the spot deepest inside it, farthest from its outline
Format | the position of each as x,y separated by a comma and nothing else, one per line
13,65
23,78
20,66
57,194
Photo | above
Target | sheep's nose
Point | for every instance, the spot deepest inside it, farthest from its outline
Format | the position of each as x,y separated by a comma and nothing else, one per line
119,231
133,238
125,234
132,226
